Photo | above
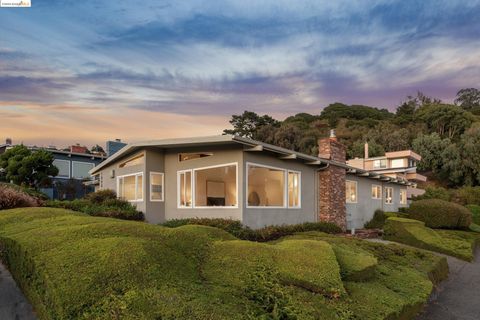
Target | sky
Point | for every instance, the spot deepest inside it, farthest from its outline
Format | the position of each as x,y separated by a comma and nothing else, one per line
89,71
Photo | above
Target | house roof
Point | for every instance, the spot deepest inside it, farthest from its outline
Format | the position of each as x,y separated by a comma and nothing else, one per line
249,145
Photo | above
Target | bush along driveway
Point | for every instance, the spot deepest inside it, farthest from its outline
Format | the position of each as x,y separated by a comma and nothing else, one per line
458,297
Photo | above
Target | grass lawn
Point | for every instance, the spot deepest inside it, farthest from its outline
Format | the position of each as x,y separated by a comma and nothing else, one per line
71,265
456,243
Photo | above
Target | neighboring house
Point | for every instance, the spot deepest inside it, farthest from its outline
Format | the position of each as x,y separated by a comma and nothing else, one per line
73,166
239,178
397,164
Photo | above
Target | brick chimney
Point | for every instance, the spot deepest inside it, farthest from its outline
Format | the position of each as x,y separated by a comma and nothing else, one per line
78,149
331,182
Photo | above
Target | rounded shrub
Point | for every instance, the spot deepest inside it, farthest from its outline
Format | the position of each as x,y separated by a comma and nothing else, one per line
101,196
438,213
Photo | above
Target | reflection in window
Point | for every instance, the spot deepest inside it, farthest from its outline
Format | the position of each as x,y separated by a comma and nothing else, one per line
376,192
191,156
80,169
388,195
216,187
132,162
63,168
379,164
185,184
351,191
293,189
131,187
403,196
266,187
156,186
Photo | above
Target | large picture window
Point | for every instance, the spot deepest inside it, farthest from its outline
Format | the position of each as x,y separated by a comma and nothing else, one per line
351,191
266,186
156,186
293,189
208,187
403,196
388,195
80,169
216,186
376,192
130,187
63,168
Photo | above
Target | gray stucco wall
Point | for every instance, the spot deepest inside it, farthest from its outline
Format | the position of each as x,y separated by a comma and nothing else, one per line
361,212
154,210
260,217
223,155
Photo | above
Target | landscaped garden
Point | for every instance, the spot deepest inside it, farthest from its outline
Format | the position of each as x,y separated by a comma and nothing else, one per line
72,265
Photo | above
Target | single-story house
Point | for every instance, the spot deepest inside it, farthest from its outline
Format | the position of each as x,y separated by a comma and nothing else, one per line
238,178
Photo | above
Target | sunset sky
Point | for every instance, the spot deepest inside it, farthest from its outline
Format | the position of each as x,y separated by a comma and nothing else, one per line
89,71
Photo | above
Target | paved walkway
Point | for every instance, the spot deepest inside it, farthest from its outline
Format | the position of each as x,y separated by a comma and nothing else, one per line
13,304
457,298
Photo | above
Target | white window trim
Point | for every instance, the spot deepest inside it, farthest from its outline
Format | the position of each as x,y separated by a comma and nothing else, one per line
136,185
400,195
285,189
356,192
163,186
386,195
381,190
193,170
299,190
82,162
69,169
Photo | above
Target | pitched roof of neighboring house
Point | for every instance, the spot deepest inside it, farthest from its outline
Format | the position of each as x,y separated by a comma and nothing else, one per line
87,155
249,144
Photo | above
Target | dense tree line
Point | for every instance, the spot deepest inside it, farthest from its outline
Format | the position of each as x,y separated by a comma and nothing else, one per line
447,136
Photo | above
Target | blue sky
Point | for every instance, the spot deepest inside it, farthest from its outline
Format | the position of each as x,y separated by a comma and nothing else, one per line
96,70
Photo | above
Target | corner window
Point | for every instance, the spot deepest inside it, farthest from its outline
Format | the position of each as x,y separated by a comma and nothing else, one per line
63,168
266,186
156,186
191,156
403,196
293,189
376,192
185,189
351,191
388,195
132,162
130,187
80,169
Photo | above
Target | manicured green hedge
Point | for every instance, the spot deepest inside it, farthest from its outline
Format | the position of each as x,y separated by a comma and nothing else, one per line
438,213
100,204
414,233
265,234
475,210
379,218
74,266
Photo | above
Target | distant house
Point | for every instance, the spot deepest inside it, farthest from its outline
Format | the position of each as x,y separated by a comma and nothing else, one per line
397,164
74,164
238,178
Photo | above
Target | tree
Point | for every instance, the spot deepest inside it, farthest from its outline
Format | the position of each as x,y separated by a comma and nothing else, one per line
431,148
389,136
26,167
97,149
248,123
448,120
469,100
358,149
470,149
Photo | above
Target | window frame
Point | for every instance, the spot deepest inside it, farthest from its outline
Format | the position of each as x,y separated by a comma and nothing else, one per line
69,169
179,155
379,196
299,190
193,182
356,191
405,196
124,163
386,195
82,162
285,187
380,162
150,188
136,174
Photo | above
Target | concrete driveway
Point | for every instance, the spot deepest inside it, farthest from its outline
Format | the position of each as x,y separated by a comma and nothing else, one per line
13,304
457,298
